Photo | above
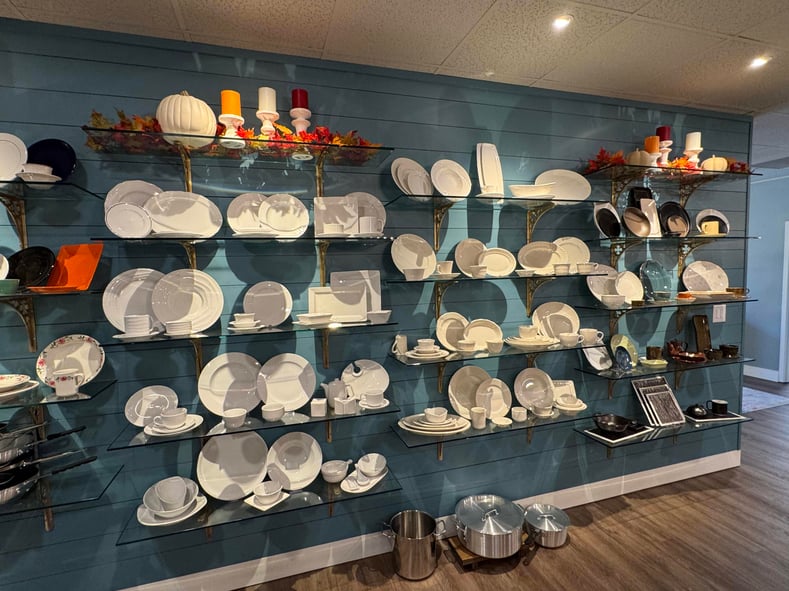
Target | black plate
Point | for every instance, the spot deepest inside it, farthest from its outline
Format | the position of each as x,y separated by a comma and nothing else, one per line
636,194
55,153
31,266
674,220
608,223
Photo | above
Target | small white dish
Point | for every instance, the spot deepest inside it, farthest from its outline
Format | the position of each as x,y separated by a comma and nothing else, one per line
352,485
255,504
192,422
368,406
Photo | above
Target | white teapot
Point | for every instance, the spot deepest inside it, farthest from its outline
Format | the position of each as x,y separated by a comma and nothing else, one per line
336,389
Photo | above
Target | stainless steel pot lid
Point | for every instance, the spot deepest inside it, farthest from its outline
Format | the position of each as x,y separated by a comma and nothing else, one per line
489,514
547,517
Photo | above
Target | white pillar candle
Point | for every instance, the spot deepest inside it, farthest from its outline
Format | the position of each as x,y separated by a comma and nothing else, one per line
267,99
693,140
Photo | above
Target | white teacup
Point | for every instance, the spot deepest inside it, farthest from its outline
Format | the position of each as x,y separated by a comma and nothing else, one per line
267,492
542,409
244,319
179,327
519,414
171,418
171,492
425,345
67,381
570,339
373,399
272,411
444,267
466,345
561,269
478,271
587,267
435,414
495,346
370,225
528,331
233,418
591,336
137,324
413,274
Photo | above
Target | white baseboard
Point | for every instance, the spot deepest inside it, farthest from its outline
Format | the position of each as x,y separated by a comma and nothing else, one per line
254,572
761,373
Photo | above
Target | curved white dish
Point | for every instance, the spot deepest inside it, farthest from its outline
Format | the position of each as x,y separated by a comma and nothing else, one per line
351,485
180,213
283,215
704,276
229,467
714,213
468,253
24,387
187,294
500,262
569,185
533,385
130,293
629,285
161,396
73,351
554,318
269,301
229,381
127,220
501,399
242,213
410,251
450,179
11,381
288,379
365,375
147,518
463,388
600,285
491,179
449,329
598,357
134,192
295,460
481,331
536,255
13,155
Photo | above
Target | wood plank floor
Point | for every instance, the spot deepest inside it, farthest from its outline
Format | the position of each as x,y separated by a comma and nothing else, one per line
727,531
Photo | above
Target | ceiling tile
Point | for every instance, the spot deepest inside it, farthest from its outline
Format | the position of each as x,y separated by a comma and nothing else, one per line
515,38
651,96
134,16
260,24
406,31
718,16
380,61
497,77
623,5
7,10
771,30
255,44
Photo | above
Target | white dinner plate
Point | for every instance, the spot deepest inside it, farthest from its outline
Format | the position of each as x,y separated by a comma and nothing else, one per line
348,304
242,214
450,179
724,224
187,294
269,301
365,375
554,318
3,267
569,185
73,351
536,255
500,262
481,331
284,215
147,518
183,214
288,379
127,220
231,466
629,285
297,457
467,254
229,381
162,397
415,355
410,251
575,249
491,179
501,399
354,280
412,179
13,155
450,327
533,386
600,285
463,388
369,206
704,276
134,192
536,344
129,294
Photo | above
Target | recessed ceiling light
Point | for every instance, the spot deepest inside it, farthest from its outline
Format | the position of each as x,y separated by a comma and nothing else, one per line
760,61
562,22
489,73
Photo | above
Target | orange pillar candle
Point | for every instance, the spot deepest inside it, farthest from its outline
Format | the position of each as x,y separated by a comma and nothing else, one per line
231,103
652,144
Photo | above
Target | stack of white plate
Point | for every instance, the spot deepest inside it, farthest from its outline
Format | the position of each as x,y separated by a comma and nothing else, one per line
471,252
412,179
278,216
537,343
420,425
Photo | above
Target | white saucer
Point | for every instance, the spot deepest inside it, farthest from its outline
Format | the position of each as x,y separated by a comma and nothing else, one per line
245,325
440,354
129,336
384,404
251,328
444,276
192,422
350,485
265,507
146,517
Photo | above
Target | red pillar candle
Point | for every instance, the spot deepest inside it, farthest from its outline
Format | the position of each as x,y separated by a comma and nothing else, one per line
664,133
298,99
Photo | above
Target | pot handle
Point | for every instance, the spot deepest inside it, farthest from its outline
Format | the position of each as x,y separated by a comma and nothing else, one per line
52,436
443,526
386,531
488,514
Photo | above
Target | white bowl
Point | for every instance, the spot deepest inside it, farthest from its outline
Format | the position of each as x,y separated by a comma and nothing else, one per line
413,274
371,465
543,190
435,414
315,318
613,300
334,471
273,411
524,272
267,491
379,316
478,271
151,500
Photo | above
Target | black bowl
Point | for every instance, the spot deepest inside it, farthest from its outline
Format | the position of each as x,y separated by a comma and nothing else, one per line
612,423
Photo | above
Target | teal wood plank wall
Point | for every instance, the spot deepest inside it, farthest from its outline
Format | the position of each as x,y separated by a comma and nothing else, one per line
51,78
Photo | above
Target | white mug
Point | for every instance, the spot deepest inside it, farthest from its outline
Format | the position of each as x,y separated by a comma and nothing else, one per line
495,346
400,346
171,418
519,414
370,225
570,339
67,381
528,331
591,336
484,400
478,420
587,267
444,267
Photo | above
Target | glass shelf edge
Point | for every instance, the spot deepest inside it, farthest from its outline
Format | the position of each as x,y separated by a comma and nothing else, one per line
673,366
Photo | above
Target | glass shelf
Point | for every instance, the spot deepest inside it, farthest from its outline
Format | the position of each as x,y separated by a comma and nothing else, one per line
461,277
415,440
662,432
218,513
507,351
45,395
429,201
692,239
132,436
226,235
45,191
640,370
152,144
667,304
33,294
79,485
622,171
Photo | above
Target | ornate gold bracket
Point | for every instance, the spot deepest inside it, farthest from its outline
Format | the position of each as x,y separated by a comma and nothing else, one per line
618,248
191,254
532,285
531,359
621,182
197,345
685,247
325,347
529,435
440,210
533,216
23,306
678,373
328,432
441,369
186,161
16,211
440,451
688,183
439,287
611,385
323,248
319,174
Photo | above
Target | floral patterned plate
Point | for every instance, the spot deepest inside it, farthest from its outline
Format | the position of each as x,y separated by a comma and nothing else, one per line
74,351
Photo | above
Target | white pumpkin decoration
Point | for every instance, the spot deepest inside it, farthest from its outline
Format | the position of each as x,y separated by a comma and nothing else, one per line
181,113
639,158
715,164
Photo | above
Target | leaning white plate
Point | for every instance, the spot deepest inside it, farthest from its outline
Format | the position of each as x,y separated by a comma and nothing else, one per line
450,179
284,214
449,329
576,250
501,399
127,220
491,179
569,185
269,301
598,357
463,388
410,251
554,318
533,385
130,294
184,213
297,457
629,285
288,379
74,351
13,155
348,304
231,466
242,213
229,381
147,518
134,192
365,375
371,279
500,262
481,331
468,253
600,285
704,276
536,255
412,179
188,294
162,396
